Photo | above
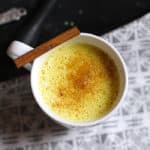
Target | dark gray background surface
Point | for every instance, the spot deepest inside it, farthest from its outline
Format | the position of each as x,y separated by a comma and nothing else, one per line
93,16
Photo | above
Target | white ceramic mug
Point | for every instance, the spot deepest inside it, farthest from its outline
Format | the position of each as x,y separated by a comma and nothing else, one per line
17,49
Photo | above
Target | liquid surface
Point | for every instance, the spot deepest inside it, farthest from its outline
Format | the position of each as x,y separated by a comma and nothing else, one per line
78,82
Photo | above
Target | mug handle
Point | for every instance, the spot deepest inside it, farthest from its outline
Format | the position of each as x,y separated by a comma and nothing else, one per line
18,48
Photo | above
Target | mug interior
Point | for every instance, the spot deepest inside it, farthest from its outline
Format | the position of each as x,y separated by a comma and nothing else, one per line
110,51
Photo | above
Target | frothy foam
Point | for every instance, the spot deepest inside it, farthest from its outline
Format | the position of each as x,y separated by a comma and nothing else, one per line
78,82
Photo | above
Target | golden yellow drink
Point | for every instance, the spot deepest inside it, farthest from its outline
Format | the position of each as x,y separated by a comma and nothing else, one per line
78,82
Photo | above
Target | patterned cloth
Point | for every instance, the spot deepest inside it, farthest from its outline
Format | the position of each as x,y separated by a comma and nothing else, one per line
23,126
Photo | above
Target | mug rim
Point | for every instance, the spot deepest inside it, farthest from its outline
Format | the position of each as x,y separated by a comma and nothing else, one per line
90,123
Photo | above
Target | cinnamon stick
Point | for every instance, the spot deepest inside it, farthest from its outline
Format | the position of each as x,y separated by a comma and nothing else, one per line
46,46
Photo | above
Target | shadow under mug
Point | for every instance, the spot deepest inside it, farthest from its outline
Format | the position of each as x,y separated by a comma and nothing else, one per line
18,48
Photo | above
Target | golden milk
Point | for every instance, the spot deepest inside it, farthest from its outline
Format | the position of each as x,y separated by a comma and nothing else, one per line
78,82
